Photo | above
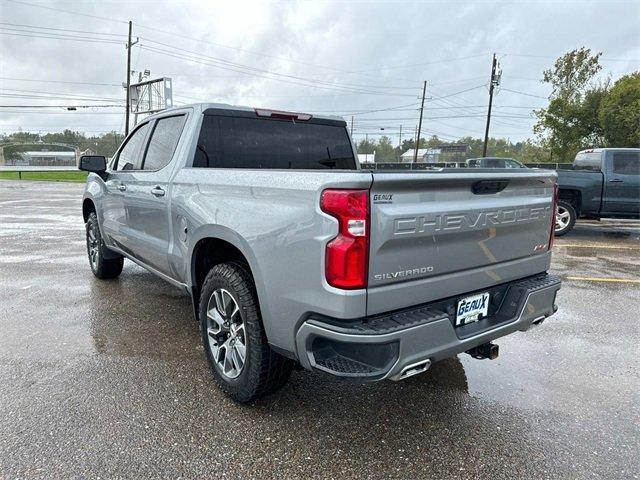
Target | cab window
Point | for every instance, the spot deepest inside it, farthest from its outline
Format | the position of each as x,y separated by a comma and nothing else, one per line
130,156
164,140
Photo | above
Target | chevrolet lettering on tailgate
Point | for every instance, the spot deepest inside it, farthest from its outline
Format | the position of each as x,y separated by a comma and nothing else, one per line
469,221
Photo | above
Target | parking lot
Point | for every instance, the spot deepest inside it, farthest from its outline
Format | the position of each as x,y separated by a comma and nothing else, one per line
109,379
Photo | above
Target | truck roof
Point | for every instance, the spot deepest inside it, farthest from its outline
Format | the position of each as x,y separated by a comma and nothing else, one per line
202,106
608,149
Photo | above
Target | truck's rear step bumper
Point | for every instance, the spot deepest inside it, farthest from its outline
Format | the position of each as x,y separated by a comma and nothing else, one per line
384,346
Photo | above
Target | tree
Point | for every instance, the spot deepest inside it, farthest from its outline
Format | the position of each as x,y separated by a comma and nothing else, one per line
619,113
366,146
385,151
572,73
570,122
410,143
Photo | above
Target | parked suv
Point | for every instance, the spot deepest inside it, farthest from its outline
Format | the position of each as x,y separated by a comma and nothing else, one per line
293,254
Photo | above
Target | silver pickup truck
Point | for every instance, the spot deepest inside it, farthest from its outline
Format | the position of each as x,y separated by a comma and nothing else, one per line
294,255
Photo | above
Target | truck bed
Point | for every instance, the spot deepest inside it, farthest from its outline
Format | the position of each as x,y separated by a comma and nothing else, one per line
588,185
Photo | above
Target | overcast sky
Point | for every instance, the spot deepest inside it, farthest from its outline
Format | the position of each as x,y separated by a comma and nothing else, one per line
333,57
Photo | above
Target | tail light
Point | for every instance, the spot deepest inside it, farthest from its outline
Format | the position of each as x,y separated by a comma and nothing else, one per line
554,209
347,255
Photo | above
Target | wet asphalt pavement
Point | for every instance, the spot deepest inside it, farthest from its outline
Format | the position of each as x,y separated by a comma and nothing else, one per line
108,378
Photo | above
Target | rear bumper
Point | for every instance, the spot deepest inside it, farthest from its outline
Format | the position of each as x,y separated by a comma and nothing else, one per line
384,346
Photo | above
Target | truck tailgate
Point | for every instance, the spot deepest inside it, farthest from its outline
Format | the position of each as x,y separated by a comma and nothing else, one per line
438,234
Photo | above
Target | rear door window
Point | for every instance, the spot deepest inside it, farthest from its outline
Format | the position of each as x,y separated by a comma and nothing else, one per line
494,163
587,161
626,163
130,156
163,142
244,142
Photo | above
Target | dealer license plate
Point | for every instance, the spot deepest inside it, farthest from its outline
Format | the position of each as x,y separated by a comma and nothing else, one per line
471,309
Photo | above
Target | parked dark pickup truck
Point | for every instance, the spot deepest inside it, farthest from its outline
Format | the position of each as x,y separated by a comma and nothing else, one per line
604,182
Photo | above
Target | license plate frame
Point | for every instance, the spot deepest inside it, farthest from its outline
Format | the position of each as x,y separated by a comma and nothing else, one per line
472,308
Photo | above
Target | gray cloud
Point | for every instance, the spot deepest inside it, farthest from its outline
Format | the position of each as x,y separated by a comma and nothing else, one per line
340,57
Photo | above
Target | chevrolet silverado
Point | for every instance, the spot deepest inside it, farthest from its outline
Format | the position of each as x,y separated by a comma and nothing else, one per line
295,255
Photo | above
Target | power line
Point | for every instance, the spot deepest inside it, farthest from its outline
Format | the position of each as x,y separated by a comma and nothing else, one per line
66,11
60,81
53,95
606,59
259,70
523,93
72,38
60,106
39,27
261,54
398,108
458,93
300,81
398,67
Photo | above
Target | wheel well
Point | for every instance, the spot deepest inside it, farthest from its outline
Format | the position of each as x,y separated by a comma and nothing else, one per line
87,208
574,197
209,252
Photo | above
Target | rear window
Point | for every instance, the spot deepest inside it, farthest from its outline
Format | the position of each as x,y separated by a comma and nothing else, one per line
241,142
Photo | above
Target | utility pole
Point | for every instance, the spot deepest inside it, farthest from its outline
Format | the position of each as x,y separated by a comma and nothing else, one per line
400,137
128,100
351,126
495,81
415,153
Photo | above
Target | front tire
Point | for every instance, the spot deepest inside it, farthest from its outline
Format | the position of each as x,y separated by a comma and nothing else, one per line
104,263
243,364
566,217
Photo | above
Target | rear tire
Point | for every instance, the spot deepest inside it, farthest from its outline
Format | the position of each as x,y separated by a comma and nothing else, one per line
243,364
566,217
103,268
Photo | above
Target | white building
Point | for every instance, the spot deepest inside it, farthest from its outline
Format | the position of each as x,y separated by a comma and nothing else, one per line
425,155
367,158
49,159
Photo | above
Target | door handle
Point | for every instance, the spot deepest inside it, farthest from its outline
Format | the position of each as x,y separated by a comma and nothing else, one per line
157,191
615,180
122,187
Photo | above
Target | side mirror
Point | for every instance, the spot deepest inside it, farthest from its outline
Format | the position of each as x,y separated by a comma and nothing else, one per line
93,163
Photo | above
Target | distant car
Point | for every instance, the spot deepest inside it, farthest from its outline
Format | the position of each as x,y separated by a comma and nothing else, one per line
604,183
494,162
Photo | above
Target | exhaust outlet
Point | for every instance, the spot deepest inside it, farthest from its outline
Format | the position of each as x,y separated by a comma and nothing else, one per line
486,350
413,369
